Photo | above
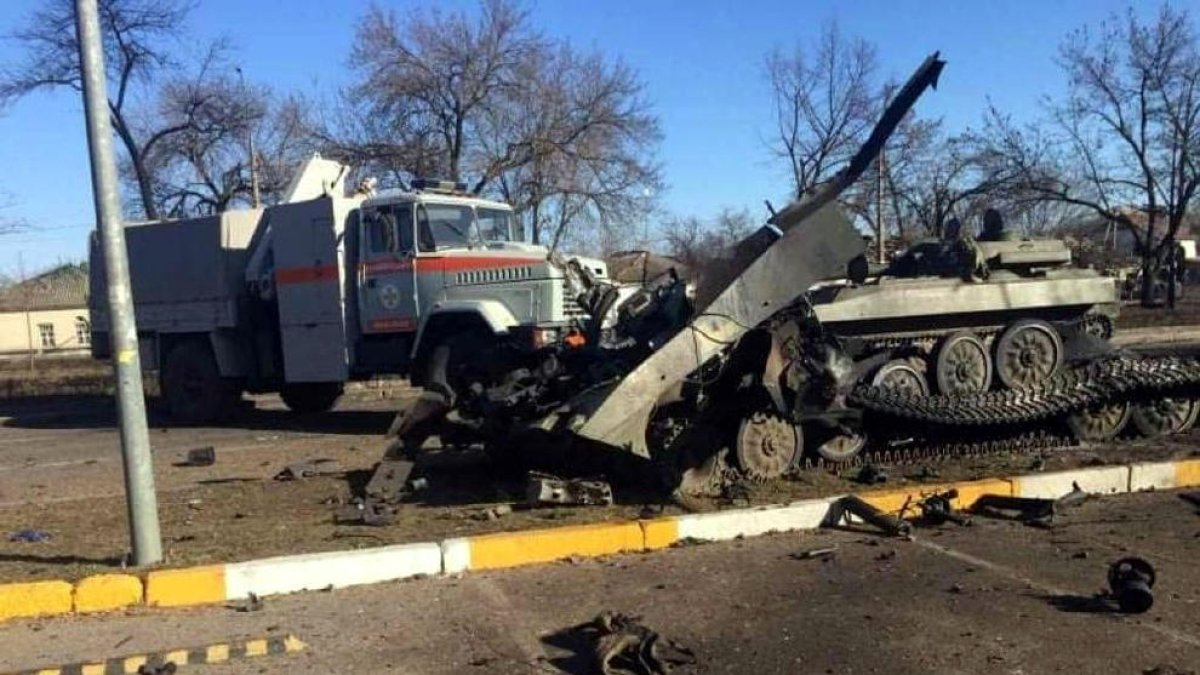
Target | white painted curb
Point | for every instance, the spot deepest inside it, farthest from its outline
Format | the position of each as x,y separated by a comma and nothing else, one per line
803,515
1100,480
335,569
456,556
1155,476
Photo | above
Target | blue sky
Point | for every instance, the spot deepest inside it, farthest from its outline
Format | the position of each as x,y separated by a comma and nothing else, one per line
701,61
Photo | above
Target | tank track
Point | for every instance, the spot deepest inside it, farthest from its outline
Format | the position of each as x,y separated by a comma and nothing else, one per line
1074,388
931,452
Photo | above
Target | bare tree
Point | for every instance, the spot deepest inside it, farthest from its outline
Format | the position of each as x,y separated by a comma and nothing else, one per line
137,45
9,224
824,101
566,137
696,243
1126,138
206,167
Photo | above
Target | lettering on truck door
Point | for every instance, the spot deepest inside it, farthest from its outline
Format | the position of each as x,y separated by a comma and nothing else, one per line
387,292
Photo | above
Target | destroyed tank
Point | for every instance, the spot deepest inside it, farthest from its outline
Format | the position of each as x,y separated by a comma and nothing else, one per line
797,351
964,315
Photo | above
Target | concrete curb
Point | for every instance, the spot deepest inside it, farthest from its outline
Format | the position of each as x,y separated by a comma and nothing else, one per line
336,569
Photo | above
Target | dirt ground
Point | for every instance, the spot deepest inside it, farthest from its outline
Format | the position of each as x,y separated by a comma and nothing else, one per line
1186,313
60,473
995,598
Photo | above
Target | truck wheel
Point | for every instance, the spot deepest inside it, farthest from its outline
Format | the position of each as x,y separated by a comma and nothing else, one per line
460,361
309,398
192,384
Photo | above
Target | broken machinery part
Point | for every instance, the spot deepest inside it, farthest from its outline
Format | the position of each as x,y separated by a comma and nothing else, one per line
623,646
545,489
852,505
938,508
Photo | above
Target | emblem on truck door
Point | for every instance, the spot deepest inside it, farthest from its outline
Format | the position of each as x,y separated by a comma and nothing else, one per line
389,296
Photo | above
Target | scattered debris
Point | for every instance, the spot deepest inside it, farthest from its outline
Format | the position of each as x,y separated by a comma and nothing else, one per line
1130,580
315,467
1075,497
852,505
871,474
543,488
493,513
956,589
252,603
30,535
886,555
167,668
1025,509
815,553
206,456
625,646
365,512
1192,498
418,484
388,479
938,508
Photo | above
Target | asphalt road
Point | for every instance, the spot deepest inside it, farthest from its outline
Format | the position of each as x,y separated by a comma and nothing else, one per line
996,597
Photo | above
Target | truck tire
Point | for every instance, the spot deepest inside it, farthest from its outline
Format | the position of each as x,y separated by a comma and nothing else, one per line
310,398
192,385
458,361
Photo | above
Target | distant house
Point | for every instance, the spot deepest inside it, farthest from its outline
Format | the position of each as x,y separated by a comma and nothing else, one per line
47,313
1113,236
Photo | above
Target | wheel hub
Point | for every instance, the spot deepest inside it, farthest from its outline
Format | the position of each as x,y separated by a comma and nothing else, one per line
767,446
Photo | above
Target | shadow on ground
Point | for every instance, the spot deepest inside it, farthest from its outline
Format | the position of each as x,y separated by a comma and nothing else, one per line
99,412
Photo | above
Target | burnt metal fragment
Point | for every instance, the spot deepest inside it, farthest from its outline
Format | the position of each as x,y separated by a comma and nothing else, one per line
852,505
316,467
545,489
206,456
1130,580
939,508
624,646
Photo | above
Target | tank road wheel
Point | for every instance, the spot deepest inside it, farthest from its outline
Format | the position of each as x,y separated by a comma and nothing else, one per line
962,364
310,398
1028,352
192,384
840,444
1165,416
1099,423
901,377
767,446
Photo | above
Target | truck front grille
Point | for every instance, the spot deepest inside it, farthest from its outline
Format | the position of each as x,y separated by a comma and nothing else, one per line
495,275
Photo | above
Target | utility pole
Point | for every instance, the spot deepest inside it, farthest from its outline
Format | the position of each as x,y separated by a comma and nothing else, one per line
253,155
122,331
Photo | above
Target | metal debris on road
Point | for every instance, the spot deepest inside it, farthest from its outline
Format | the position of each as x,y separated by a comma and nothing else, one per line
252,603
938,508
853,505
493,513
316,467
815,553
1130,580
871,474
30,535
543,488
167,668
1025,509
206,456
625,647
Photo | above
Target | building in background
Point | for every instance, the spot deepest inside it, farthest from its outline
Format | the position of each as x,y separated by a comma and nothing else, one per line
46,314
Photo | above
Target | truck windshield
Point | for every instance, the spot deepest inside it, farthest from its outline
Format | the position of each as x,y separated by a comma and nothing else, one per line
446,226
495,225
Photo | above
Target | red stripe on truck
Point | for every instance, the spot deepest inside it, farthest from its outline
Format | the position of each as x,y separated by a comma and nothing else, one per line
428,264
306,275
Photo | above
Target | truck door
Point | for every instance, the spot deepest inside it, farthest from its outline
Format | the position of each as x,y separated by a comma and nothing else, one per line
387,288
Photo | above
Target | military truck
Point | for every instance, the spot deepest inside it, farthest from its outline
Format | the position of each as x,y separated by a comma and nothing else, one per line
331,286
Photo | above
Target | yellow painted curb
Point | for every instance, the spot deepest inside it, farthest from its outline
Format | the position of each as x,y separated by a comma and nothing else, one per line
1187,473
891,501
509,549
38,598
659,533
105,592
189,586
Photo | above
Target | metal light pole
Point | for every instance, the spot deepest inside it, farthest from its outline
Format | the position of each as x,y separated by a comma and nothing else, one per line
253,155
131,406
